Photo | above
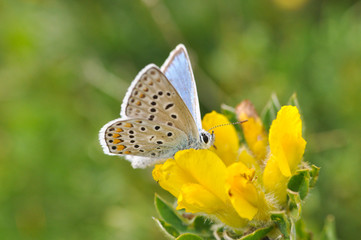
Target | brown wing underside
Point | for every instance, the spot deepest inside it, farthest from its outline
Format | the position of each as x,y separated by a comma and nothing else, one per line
142,137
154,98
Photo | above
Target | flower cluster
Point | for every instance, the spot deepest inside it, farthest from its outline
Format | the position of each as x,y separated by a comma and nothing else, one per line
236,183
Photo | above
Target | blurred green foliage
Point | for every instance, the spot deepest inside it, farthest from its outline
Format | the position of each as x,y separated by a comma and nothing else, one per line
65,67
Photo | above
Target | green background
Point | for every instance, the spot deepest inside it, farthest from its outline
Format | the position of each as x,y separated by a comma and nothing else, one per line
66,65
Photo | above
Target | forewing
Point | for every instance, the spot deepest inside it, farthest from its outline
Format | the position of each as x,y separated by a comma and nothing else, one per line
177,68
151,96
141,137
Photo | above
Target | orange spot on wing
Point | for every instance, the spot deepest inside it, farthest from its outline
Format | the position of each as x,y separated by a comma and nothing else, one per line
141,95
128,125
116,141
138,103
120,147
116,135
127,152
119,130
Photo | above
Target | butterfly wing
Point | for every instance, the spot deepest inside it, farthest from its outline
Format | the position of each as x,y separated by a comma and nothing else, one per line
141,137
177,68
152,97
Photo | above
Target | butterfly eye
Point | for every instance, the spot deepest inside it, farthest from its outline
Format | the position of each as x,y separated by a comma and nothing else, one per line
205,138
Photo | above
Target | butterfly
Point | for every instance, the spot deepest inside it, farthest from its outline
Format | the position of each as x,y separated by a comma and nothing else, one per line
160,115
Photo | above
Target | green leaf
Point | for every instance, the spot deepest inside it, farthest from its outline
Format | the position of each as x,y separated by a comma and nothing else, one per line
300,182
282,223
269,113
294,101
301,232
258,234
314,175
294,204
329,230
189,236
168,214
202,224
167,228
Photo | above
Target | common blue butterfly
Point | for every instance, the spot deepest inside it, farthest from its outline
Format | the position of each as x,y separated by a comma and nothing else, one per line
160,114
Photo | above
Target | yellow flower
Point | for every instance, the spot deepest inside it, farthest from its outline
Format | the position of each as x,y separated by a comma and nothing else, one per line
227,182
226,142
202,182
197,178
246,198
253,130
287,147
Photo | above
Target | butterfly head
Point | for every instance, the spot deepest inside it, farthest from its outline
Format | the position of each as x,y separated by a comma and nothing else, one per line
206,139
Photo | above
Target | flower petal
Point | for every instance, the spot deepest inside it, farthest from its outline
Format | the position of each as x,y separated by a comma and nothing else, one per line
195,198
285,138
205,168
287,147
242,193
253,129
246,158
170,177
274,181
226,139
192,166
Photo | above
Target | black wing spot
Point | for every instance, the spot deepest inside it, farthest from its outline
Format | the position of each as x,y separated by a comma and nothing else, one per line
141,150
153,110
159,142
111,129
168,94
155,96
151,117
160,93
110,141
131,132
153,103
131,136
132,141
110,134
142,129
114,147
136,146
174,116
169,124
169,106
169,134
157,128
153,154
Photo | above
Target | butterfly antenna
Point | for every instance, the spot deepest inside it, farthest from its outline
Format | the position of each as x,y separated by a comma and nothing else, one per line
225,124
